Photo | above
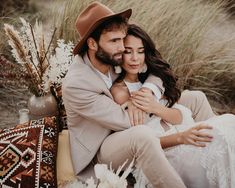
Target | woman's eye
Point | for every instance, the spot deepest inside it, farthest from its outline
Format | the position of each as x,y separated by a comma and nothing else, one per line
141,52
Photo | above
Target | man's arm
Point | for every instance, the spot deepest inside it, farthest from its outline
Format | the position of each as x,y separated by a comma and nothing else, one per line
95,106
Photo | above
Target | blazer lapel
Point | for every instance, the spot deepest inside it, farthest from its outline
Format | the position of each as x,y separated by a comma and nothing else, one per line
94,75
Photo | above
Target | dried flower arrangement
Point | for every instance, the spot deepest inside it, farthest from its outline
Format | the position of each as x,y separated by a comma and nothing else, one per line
44,65
107,178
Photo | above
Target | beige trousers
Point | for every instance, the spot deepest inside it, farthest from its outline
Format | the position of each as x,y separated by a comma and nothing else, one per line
197,102
140,143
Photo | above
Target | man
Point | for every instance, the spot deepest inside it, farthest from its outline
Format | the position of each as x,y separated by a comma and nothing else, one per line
92,113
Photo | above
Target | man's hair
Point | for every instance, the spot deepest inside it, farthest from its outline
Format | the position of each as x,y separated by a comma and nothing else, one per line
112,24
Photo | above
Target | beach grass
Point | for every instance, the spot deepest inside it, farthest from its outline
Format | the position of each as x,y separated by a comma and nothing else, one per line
196,37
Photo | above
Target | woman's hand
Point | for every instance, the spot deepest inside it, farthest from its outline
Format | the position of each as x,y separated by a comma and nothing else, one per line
144,100
194,136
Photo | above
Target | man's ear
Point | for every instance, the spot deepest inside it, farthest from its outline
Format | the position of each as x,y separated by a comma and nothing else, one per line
92,44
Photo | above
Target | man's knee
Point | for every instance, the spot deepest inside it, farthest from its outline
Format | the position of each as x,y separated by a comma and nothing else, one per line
198,96
193,95
141,131
198,103
191,99
143,134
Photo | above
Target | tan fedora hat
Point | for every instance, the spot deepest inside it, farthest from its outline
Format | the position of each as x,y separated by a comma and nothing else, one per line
90,18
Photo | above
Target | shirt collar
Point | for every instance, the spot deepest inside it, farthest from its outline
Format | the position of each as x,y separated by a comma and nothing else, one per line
106,78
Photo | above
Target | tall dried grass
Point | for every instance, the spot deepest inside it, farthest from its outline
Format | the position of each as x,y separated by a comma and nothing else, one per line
196,37
10,11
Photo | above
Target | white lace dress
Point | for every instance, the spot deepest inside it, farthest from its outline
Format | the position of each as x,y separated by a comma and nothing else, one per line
212,166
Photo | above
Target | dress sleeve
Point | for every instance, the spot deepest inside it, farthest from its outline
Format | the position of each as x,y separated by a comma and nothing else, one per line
155,84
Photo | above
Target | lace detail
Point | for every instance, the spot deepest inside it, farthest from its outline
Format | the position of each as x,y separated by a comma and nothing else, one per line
215,162
213,166
219,158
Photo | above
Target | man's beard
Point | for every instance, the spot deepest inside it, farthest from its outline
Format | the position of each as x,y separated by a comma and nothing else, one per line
107,58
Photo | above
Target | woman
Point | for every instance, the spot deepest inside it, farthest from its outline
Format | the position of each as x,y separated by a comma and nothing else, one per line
213,163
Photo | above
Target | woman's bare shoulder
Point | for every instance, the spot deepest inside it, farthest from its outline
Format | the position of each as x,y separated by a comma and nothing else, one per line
119,92
118,85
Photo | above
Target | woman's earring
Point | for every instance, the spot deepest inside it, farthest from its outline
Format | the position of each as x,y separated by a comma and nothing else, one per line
117,69
144,69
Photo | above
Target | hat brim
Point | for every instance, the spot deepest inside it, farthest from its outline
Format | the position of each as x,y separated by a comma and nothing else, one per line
125,14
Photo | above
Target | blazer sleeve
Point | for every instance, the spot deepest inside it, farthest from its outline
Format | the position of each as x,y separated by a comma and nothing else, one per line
97,107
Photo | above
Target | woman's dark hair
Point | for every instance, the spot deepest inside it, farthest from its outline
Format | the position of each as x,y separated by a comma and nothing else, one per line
156,65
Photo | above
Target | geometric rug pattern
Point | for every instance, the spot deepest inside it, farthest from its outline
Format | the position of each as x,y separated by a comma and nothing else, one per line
28,154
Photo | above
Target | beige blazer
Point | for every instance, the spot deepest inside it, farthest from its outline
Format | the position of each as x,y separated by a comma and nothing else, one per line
91,112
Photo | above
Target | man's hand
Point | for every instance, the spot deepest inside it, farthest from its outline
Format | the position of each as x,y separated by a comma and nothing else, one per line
195,136
136,115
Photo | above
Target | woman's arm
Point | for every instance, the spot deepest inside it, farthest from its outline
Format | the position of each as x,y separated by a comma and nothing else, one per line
171,115
192,136
144,100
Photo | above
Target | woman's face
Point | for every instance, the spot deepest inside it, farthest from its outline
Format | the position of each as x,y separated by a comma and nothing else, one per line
134,56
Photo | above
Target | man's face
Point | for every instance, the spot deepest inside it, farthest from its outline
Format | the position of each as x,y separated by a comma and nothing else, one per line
111,47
